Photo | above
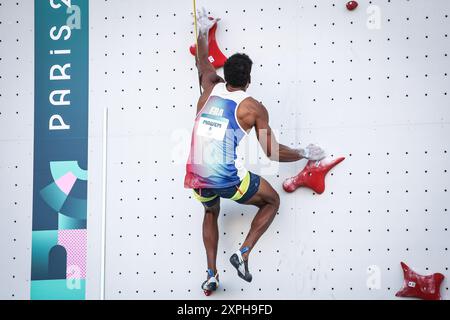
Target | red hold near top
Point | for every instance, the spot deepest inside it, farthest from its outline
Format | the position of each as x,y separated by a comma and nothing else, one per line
216,57
352,5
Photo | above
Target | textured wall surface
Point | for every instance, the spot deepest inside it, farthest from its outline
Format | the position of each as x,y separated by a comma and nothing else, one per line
16,146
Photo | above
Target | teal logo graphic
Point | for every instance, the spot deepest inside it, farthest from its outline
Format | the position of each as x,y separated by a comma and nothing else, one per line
71,210
59,235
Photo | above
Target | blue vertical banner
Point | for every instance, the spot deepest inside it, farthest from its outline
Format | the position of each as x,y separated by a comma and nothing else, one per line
59,235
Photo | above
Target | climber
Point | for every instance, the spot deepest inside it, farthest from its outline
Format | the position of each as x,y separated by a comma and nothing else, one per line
225,115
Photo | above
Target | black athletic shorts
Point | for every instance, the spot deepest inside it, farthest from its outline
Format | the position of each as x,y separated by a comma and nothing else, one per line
240,192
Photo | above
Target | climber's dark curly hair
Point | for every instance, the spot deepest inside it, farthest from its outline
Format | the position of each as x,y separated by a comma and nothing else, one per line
237,70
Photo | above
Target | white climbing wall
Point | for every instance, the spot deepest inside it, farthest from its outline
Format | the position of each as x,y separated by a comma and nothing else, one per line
16,146
376,96
376,93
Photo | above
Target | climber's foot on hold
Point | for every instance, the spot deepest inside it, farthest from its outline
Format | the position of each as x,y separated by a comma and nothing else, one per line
240,262
211,283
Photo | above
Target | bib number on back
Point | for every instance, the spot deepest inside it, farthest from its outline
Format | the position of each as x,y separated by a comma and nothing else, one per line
212,127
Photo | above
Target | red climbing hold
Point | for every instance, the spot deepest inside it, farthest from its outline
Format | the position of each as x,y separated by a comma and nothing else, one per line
418,286
207,292
216,57
352,5
312,176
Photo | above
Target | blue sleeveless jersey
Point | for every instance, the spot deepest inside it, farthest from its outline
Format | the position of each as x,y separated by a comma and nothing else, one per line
212,161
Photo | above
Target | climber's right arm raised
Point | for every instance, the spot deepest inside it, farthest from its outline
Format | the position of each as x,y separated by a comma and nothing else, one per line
207,72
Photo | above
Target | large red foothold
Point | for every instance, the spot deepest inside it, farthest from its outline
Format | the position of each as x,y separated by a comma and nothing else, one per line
312,176
418,286
352,5
216,57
